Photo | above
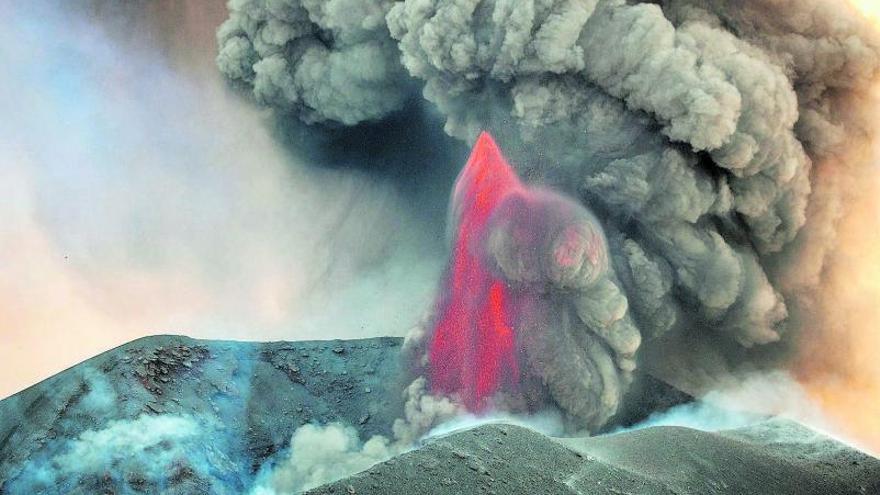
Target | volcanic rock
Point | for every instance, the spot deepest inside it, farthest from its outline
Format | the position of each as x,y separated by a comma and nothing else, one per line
176,415
252,396
776,457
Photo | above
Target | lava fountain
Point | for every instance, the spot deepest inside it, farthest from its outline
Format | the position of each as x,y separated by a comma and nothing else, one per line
473,347
514,247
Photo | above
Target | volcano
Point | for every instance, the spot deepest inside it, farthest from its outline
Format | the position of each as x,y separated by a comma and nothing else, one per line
212,413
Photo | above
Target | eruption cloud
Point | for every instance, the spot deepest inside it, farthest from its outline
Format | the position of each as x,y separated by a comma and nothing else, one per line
511,324
718,142
473,345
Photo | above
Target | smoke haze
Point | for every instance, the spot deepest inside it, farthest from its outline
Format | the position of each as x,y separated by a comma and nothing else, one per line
142,196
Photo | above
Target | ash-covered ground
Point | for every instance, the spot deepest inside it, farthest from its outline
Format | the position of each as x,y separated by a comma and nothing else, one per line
176,415
171,414
774,457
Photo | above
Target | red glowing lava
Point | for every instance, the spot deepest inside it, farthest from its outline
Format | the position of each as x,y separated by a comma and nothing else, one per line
473,347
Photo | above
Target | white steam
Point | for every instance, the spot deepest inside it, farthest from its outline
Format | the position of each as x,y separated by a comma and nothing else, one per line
748,400
322,454
742,402
143,452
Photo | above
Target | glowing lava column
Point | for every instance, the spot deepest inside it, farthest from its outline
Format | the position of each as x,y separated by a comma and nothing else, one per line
472,350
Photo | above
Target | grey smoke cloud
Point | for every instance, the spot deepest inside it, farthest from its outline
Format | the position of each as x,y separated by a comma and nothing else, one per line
324,61
692,128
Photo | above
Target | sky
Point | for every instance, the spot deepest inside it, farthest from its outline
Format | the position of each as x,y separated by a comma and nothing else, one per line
141,195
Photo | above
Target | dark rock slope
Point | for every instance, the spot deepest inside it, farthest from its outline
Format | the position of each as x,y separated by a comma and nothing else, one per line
235,402
775,457
174,415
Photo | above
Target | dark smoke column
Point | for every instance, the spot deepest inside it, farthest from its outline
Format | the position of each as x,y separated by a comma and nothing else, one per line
719,140
508,330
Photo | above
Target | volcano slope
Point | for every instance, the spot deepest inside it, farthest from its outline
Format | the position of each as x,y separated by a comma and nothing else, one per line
170,414
773,457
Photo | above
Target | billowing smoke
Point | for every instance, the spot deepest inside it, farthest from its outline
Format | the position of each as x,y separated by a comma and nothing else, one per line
319,454
716,141
528,299
324,61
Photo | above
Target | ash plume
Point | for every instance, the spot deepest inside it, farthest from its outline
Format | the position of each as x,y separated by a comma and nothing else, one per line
323,61
702,133
529,299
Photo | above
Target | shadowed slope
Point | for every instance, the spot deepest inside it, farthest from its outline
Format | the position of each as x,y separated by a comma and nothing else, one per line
241,400
775,457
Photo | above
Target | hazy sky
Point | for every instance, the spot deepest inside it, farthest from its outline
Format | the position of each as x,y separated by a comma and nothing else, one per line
140,196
